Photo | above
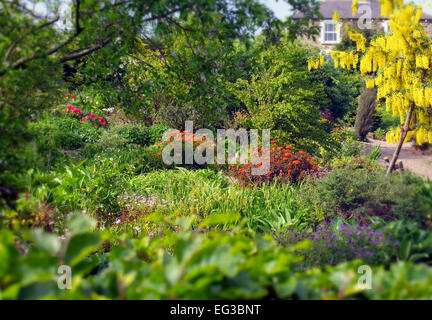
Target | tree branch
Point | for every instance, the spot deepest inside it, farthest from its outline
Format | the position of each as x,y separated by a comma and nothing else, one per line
77,17
85,52
13,46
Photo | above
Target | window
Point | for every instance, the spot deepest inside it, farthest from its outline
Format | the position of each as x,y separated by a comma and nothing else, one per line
385,25
330,32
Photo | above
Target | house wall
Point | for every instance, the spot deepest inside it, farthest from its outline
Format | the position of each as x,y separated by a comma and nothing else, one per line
376,25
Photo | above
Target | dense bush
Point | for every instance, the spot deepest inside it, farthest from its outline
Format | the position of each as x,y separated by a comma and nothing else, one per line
286,166
359,194
141,135
341,90
365,112
63,133
281,97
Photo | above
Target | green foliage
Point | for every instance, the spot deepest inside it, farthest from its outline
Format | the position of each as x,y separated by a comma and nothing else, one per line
360,194
143,136
380,134
203,193
63,133
281,97
349,145
341,90
239,265
365,112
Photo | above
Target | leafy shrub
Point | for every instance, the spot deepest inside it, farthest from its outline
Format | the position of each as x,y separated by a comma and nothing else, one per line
141,135
359,194
348,145
285,166
341,90
64,133
155,132
77,113
239,265
135,134
358,162
365,112
380,134
282,97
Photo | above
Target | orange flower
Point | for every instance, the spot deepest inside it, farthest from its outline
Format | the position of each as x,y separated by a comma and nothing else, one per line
159,153
302,152
315,163
273,141
289,171
296,162
289,147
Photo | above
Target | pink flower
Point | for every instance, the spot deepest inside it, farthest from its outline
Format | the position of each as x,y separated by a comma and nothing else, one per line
69,107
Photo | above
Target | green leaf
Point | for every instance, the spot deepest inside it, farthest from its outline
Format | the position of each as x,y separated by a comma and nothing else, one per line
46,241
405,248
80,246
81,223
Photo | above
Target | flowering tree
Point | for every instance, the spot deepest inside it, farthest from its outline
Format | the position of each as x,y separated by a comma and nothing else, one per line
397,64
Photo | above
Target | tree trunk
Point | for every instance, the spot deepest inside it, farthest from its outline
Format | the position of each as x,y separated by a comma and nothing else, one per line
402,137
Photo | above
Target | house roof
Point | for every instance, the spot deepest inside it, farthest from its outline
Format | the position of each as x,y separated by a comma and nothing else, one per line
328,7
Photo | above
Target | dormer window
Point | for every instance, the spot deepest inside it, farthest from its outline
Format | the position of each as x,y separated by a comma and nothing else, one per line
330,32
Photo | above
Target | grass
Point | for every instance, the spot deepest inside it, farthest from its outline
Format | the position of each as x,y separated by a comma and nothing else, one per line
206,193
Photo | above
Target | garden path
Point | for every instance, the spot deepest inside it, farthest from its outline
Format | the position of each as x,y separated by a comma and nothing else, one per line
414,160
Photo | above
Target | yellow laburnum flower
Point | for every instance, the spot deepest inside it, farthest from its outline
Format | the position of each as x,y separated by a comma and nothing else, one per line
354,7
425,62
336,16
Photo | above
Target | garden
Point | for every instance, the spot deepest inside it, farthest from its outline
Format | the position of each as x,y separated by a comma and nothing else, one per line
94,93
